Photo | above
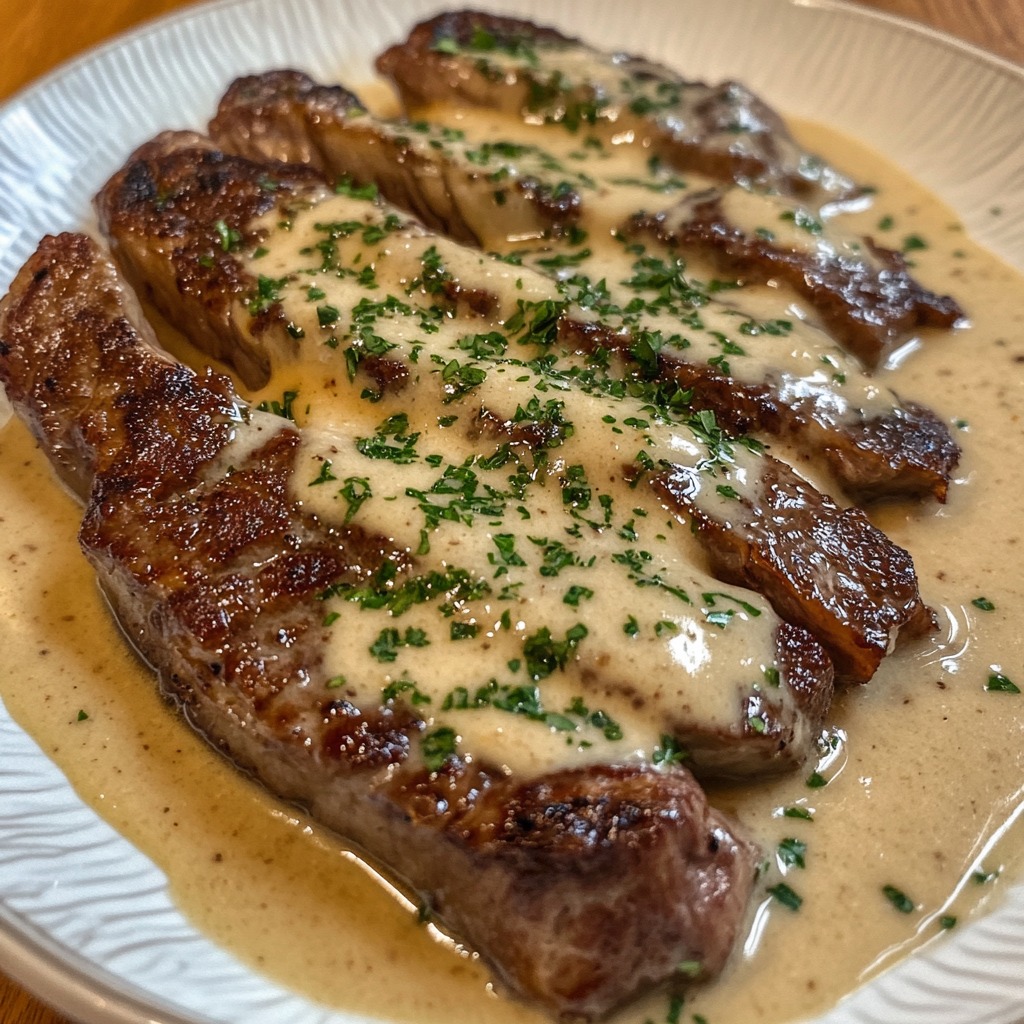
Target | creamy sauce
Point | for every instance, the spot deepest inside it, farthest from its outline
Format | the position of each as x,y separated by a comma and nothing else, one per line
398,463
924,774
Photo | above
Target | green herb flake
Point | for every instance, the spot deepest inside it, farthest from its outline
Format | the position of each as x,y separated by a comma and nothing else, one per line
463,630
998,683
327,316
803,220
689,968
544,654
575,594
786,896
803,813
346,187
325,474
899,899
385,647
983,877
791,853
438,747
282,408
229,237
669,752
397,687
355,492
984,604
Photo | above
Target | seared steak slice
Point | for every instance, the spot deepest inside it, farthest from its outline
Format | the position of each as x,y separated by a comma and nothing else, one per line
905,450
166,209
465,191
819,541
721,131
893,448
580,886
863,292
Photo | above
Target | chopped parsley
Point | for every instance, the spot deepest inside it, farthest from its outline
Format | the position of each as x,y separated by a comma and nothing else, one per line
899,899
786,895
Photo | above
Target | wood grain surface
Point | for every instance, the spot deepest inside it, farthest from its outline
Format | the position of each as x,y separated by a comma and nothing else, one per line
40,34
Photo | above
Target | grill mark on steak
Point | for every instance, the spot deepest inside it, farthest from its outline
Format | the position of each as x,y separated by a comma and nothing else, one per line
722,131
873,594
580,887
870,304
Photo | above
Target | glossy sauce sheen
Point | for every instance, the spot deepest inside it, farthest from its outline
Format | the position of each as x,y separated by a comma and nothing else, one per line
923,783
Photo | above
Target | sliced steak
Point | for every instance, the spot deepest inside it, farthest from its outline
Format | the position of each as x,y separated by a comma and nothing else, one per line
721,131
905,450
465,191
165,211
870,302
580,886
863,292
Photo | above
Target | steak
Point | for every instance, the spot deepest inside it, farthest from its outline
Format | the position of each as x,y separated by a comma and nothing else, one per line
580,886
863,292
502,579
167,212
448,183
491,192
723,131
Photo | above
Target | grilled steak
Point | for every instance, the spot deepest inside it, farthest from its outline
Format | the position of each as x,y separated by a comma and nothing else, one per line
721,131
863,292
508,493
480,193
448,183
579,885
168,211
903,450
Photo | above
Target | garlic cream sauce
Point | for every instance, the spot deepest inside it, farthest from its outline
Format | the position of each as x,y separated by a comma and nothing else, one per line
917,793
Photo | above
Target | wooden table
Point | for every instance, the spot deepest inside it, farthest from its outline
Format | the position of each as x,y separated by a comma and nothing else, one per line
36,42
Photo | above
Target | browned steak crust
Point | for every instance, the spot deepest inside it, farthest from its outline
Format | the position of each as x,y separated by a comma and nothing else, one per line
817,546
285,115
906,452
580,887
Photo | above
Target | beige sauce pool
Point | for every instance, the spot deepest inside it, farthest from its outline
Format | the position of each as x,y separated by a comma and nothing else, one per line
921,792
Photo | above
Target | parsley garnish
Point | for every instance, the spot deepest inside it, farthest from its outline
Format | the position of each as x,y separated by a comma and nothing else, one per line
899,899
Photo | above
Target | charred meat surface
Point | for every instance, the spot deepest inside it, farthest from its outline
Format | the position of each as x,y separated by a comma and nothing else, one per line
820,542
876,576
580,887
722,131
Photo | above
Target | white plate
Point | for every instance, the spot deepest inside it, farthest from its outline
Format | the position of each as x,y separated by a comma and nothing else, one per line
85,920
